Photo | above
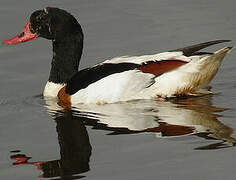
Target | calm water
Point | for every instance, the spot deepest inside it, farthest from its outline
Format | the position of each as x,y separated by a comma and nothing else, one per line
179,139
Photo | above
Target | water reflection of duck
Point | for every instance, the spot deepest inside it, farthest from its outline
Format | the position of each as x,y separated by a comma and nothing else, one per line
178,72
178,117
75,150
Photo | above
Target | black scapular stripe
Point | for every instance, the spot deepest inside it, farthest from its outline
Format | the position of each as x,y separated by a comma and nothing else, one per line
88,76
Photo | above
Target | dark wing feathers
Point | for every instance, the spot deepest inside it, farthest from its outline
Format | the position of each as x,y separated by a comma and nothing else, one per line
191,50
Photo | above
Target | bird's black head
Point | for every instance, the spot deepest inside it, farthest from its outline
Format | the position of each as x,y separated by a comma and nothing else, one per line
50,23
53,23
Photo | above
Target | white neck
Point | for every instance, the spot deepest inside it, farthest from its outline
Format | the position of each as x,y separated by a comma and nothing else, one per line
51,89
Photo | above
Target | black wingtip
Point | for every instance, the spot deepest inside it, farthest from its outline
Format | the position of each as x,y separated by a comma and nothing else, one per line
190,50
230,47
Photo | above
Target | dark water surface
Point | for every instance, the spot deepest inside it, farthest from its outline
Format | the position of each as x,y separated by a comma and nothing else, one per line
180,139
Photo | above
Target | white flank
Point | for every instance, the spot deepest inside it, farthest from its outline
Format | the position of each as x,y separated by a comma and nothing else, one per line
116,87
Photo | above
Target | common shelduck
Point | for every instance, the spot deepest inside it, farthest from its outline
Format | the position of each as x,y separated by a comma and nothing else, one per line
178,72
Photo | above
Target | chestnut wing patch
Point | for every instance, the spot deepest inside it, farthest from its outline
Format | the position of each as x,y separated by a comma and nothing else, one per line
85,77
159,67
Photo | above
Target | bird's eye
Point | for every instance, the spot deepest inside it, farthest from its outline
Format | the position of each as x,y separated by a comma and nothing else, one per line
38,18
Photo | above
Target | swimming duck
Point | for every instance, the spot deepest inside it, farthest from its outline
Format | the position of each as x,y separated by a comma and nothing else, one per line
179,72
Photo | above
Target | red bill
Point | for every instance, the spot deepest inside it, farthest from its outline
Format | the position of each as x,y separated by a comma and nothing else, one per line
25,35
